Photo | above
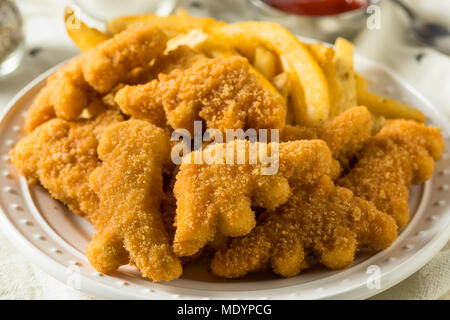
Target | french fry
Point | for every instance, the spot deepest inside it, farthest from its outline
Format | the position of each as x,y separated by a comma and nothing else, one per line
283,83
382,106
172,25
310,89
325,58
296,98
83,36
343,60
389,108
361,83
266,62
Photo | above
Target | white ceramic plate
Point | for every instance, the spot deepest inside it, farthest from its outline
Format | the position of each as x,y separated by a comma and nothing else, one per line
55,239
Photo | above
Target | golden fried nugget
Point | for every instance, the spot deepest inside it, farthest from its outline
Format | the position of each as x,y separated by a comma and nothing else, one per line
129,185
401,154
113,59
345,134
295,132
140,103
65,95
221,91
71,94
61,155
219,196
42,109
182,57
224,93
328,221
138,100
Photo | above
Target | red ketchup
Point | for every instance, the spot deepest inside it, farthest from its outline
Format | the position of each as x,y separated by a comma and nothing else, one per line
316,7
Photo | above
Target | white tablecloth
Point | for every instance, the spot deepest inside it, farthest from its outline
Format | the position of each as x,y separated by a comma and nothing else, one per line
427,70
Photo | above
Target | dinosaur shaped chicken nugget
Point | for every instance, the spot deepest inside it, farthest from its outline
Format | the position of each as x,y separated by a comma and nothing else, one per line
321,218
129,185
106,64
61,155
401,154
80,82
220,195
345,134
224,92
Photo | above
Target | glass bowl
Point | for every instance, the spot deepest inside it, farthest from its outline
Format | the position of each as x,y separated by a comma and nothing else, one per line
325,27
11,37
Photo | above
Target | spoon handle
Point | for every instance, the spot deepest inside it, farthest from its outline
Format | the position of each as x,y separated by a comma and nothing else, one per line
410,13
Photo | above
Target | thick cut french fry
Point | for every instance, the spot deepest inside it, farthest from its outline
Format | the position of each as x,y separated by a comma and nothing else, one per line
325,58
83,36
389,108
361,83
309,81
266,62
382,107
283,83
343,60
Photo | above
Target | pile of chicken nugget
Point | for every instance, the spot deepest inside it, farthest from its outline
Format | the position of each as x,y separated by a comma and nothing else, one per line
99,140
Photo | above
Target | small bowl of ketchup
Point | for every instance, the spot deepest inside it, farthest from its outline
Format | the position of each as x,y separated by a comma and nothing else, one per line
319,19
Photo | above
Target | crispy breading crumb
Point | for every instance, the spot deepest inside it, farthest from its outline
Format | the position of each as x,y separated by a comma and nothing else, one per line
129,186
221,91
215,196
401,154
60,155
320,218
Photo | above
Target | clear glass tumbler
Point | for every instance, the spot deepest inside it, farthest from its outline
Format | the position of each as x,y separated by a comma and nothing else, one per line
11,37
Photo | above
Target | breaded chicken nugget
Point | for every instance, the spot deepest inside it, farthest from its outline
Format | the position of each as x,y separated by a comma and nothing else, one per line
71,94
129,185
65,95
113,59
220,195
139,101
328,221
294,132
182,57
61,155
42,109
345,134
401,154
71,89
222,91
